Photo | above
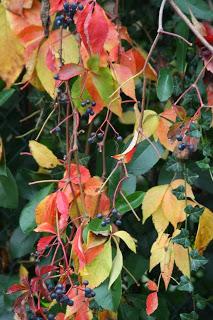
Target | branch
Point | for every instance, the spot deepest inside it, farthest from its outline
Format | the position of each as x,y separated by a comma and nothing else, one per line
191,26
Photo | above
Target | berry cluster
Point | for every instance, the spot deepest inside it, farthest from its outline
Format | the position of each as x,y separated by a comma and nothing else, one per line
89,293
58,294
50,316
91,105
95,137
107,220
66,18
182,146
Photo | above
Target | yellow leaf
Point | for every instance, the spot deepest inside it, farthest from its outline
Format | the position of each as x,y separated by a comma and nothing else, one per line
152,200
159,220
23,272
11,51
128,117
117,265
99,269
158,250
125,236
167,264
181,256
70,54
150,123
176,183
42,155
205,231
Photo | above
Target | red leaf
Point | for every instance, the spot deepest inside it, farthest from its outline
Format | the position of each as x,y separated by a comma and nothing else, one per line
46,269
69,71
15,288
152,286
43,243
77,247
62,203
51,61
87,21
151,303
45,227
74,175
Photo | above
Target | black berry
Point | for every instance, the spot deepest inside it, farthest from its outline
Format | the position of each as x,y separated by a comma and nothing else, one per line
83,103
103,223
99,216
80,7
85,282
50,316
100,136
118,223
88,101
66,6
179,137
93,103
119,138
56,77
53,296
114,211
181,146
70,302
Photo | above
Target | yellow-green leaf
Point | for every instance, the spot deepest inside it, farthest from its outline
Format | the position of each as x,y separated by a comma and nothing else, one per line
42,155
99,269
181,256
117,265
152,200
160,221
125,236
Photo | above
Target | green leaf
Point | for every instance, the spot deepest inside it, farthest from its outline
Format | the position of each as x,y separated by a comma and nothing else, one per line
185,285
117,266
8,191
199,8
189,316
93,63
134,199
194,212
79,96
138,266
200,302
182,238
109,299
96,227
197,261
190,176
5,95
179,192
182,47
174,165
194,131
129,185
206,118
22,244
144,158
27,217
203,164
165,85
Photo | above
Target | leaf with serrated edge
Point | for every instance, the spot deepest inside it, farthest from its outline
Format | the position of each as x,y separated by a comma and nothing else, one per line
159,220
181,256
42,155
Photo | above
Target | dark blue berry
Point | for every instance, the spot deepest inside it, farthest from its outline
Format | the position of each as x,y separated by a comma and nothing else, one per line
59,286
80,7
179,137
118,223
92,113
85,282
50,316
56,77
91,140
191,147
93,103
103,223
59,291
88,101
119,138
93,294
53,296
57,129
181,146
83,103
66,6
64,299
70,302
100,136
99,216
114,211
73,7
50,286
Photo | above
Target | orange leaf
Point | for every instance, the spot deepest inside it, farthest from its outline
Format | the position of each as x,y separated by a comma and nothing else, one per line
17,6
69,71
163,128
77,177
45,227
91,203
78,248
122,74
152,286
92,253
46,210
151,303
